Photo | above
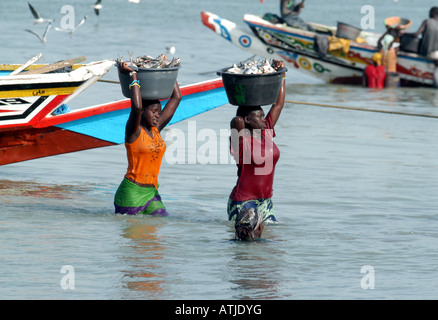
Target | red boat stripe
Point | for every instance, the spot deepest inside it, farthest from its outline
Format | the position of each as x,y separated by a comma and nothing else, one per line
47,109
37,143
122,104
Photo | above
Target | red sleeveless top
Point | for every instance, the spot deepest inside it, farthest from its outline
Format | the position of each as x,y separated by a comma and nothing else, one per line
256,160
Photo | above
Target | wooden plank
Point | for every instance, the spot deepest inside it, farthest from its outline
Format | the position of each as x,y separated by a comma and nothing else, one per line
55,66
28,63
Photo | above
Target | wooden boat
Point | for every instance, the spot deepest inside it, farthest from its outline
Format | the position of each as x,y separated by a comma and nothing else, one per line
30,129
297,48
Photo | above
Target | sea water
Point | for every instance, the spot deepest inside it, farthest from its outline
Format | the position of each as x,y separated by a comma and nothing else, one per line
355,192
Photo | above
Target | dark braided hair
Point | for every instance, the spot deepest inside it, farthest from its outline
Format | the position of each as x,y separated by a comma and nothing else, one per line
243,111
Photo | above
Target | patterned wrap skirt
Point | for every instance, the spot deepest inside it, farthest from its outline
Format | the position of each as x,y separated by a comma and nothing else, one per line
133,199
264,206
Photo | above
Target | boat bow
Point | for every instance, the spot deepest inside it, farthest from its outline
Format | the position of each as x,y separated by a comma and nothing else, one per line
26,99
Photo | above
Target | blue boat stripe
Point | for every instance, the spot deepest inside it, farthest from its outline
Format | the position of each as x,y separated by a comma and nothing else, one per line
111,126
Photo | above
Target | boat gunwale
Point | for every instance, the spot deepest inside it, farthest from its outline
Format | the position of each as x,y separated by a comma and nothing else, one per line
85,112
307,35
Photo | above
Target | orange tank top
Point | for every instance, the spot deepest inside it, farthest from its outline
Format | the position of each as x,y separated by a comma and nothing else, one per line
144,157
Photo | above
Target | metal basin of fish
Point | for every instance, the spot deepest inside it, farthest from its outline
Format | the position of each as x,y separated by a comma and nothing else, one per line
155,83
251,89
157,76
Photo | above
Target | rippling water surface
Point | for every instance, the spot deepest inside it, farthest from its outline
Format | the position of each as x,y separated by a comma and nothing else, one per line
352,189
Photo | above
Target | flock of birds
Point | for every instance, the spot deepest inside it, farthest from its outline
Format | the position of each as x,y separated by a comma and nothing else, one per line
39,19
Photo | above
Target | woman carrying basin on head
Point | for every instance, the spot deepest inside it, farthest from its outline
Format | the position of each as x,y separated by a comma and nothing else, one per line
256,155
145,148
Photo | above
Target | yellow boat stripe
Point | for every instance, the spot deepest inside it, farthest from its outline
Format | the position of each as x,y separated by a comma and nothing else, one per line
38,92
12,67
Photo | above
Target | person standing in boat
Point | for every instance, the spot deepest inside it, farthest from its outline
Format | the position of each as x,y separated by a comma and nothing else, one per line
256,155
290,11
138,191
386,45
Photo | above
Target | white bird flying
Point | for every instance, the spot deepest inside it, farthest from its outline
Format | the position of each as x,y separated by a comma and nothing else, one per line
171,49
97,6
70,31
44,37
37,17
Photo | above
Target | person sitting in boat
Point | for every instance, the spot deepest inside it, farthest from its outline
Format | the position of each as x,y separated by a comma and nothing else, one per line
256,155
374,74
138,191
429,34
290,12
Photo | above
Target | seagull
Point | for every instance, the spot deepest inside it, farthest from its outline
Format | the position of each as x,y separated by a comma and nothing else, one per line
44,38
171,49
134,1
36,15
97,6
70,31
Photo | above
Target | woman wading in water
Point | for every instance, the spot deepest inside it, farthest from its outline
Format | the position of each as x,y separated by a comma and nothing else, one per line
138,191
256,155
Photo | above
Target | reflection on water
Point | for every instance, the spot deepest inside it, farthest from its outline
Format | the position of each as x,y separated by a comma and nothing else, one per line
144,274
352,188
37,190
256,270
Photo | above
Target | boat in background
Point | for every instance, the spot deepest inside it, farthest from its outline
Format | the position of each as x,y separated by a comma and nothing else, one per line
34,122
299,50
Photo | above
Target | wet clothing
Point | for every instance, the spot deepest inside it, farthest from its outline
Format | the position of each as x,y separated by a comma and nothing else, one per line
144,157
264,206
429,40
144,161
247,222
249,216
375,76
256,160
133,199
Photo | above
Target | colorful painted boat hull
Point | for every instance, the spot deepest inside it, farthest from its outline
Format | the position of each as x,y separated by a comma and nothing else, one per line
31,144
96,126
297,48
26,100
